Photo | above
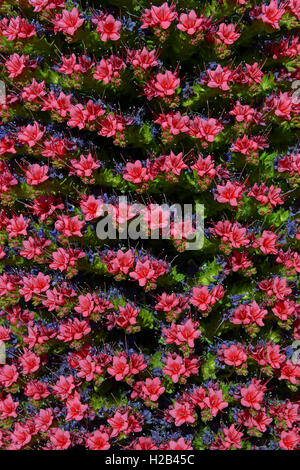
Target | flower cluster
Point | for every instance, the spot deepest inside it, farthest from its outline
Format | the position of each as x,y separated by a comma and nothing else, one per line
143,344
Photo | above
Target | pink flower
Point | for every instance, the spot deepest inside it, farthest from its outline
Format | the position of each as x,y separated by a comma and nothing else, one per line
283,106
18,28
64,387
60,439
68,22
34,91
36,174
289,440
142,59
166,84
44,420
85,166
91,208
108,28
235,355
78,116
188,332
272,14
143,273
231,193
174,367
20,437
119,423
174,163
16,64
30,135
182,413
252,396
8,375
204,129
119,369
189,22
135,172
69,226
227,33
29,361
161,16
145,443
180,444
174,123
200,298
75,408
267,242
204,167
219,78
152,388
254,73
8,407
98,441
17,226
232,437
215,401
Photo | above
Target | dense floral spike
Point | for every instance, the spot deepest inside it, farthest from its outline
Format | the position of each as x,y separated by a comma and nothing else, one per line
143,344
